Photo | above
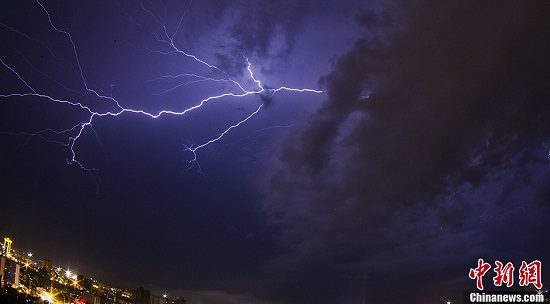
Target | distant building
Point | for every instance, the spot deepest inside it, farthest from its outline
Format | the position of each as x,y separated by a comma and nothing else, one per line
2,270
87,284
90,298
164,300
158,300
47,264
180,300
143,296
9,271
124,296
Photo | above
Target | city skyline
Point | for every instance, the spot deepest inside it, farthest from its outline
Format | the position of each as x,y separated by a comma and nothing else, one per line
39,279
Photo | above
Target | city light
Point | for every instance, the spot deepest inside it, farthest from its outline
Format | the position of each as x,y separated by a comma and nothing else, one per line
47,296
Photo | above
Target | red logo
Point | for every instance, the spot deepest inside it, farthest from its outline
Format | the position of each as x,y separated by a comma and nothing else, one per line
528,273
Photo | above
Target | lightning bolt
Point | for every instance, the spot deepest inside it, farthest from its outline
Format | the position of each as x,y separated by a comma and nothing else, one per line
486,215
166,45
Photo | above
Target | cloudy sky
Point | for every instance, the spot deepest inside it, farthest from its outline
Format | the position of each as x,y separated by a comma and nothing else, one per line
169,144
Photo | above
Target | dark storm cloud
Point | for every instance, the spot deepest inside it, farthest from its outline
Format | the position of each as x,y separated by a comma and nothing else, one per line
448,97
258,23
266,29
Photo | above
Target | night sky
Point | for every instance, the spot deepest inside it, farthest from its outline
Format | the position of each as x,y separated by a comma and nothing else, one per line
427,149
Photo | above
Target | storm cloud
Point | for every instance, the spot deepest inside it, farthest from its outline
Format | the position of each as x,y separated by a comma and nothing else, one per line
441,109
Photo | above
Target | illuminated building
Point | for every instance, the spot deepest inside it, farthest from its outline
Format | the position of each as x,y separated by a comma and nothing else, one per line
2,270
123,296
7,247
9,271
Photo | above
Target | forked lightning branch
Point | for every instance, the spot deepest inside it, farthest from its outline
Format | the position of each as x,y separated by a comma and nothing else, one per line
73,133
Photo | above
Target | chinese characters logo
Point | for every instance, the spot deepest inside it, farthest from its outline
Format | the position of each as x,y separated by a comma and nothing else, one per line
528,273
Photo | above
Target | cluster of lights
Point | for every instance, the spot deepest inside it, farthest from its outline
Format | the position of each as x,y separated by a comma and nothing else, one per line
64,282
47,296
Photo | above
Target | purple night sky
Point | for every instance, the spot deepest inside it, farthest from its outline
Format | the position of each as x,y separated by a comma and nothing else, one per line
424,147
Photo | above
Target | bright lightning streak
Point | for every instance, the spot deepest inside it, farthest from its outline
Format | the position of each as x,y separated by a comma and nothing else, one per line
23,81
194,149
166,38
